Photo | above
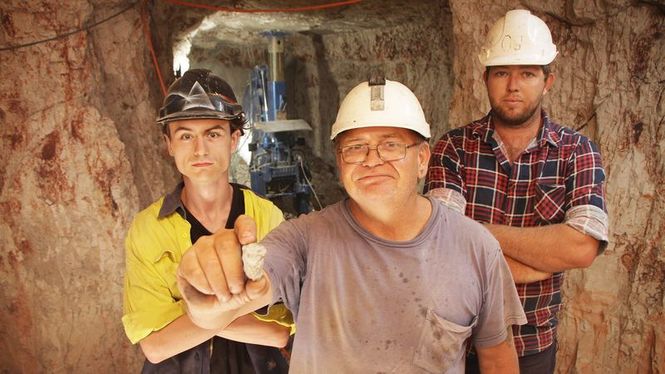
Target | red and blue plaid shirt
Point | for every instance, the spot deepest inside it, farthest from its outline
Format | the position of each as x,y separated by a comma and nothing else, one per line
558,178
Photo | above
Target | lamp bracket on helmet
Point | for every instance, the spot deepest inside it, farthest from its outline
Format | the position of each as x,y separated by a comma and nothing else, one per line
377,82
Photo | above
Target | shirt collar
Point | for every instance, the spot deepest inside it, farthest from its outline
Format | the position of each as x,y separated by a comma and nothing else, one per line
173,202
484,128
548,133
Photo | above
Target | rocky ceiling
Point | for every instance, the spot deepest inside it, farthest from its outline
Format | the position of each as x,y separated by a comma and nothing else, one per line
207,28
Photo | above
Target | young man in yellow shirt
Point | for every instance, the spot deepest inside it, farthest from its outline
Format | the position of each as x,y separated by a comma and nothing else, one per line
202,122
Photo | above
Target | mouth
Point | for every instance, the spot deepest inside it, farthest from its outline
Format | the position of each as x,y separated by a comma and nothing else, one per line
201,164
372,177
512,100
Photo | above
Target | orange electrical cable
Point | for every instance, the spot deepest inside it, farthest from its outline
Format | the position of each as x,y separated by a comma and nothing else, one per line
151,47
277,10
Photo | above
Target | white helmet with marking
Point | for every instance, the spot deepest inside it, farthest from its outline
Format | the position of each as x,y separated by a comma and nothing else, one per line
380,102
518,38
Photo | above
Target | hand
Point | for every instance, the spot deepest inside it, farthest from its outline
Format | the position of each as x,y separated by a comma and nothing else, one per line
211,279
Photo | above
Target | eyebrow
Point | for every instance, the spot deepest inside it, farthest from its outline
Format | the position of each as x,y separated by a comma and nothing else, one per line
185,128
383,137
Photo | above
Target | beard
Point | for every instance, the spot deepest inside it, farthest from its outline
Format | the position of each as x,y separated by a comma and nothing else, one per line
514,119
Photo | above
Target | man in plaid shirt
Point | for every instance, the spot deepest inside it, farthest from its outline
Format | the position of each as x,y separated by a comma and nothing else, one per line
537,186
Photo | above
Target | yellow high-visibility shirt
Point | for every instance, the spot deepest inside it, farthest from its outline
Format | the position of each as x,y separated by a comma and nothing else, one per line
154,247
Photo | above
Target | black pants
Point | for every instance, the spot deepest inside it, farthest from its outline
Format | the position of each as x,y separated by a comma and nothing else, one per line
228,357
539,363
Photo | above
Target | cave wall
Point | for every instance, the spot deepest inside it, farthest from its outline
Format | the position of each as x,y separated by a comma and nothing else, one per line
328,66
79,158
610,85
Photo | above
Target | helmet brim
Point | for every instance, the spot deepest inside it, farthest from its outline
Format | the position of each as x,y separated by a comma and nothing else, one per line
422,128
508,60
197,114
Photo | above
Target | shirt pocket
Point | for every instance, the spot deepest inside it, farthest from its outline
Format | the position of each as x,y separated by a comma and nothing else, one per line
442,344
550,202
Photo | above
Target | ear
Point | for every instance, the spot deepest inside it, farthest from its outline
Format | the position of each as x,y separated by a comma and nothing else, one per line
486,75
235,138
167,140
485,80
338,169
424,154
549,82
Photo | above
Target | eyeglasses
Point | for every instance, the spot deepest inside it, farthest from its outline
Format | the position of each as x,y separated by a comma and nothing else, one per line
388,151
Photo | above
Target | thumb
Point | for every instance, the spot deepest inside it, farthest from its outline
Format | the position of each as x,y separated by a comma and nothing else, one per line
257,288
245,229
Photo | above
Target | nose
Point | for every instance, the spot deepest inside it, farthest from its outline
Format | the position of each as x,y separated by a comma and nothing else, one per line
513,82
200,146
372,158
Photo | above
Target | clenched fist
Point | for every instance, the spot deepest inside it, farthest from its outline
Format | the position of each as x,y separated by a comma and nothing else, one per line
211,278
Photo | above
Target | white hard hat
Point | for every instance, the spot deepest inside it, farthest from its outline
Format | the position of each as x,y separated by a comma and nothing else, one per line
387,103
518,38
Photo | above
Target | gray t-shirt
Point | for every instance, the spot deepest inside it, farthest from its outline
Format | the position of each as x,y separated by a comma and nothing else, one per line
368,305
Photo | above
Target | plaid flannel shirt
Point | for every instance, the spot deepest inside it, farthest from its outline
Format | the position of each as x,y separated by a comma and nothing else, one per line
559,178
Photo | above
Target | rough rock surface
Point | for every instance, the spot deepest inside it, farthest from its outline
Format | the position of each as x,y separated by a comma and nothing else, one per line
77,155
80,154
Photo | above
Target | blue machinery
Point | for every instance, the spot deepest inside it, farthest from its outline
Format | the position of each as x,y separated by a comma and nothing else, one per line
277,167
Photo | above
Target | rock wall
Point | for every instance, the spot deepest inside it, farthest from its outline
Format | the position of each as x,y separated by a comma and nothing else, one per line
326,67
610,85
79,157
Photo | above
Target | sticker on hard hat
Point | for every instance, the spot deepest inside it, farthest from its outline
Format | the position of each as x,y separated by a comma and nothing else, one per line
377,101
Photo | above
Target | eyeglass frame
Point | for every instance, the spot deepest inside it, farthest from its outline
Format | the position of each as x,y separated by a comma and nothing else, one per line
340,150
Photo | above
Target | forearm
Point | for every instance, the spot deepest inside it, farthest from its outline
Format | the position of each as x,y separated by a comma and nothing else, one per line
248,329
524,273
178,336
499,359
182,334
550,249
216,318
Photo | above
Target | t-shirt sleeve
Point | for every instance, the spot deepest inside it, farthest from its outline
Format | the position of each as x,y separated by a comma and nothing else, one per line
285,263
147,302
501,307
445,168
